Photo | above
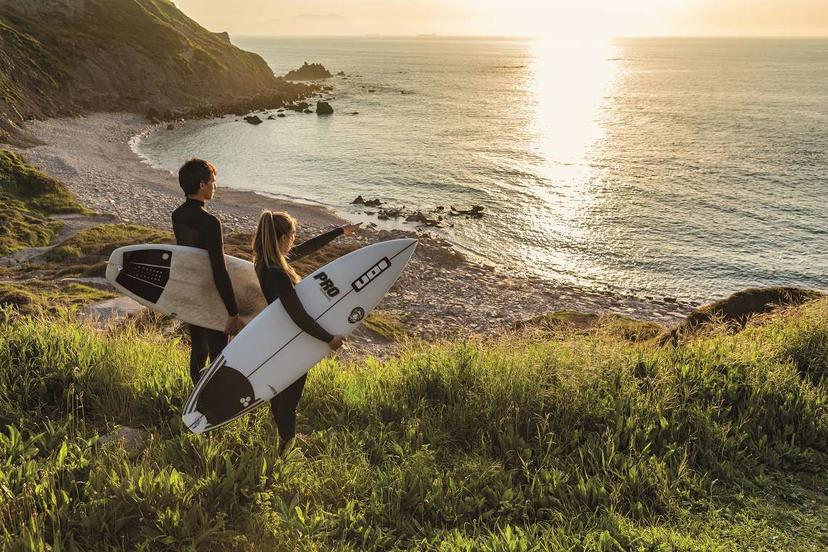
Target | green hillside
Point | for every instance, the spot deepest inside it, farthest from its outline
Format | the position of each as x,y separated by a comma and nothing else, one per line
63,57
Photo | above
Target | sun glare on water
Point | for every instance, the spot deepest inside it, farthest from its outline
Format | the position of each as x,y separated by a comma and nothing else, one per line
572,83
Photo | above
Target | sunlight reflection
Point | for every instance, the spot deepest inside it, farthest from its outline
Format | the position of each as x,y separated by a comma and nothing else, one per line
571,82
573,85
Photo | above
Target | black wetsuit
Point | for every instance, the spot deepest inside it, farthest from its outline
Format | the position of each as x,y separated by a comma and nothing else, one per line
195,227
278,285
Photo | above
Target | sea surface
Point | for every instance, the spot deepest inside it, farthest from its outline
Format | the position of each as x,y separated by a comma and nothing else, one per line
687,168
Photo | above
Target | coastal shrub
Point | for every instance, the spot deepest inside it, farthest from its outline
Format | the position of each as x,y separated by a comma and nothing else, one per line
40,193
27,198
94,245
37,296
386,325
582,441
20,227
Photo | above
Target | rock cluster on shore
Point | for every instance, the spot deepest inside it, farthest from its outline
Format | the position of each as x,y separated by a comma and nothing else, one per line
439,213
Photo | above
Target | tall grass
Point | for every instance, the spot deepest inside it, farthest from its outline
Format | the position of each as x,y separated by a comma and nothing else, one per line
584,442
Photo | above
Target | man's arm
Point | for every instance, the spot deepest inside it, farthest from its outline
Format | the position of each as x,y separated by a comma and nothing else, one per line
215,248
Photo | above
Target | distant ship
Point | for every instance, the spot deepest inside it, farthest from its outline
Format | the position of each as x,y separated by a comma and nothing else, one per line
429,35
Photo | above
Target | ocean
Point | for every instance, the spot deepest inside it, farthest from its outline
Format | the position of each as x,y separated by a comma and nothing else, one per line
686,168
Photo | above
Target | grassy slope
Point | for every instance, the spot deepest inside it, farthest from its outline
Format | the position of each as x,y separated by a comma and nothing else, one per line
27,198
586,441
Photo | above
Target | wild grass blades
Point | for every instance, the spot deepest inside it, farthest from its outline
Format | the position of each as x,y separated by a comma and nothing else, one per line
586,441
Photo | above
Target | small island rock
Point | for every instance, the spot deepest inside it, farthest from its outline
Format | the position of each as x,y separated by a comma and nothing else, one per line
324,108
308,71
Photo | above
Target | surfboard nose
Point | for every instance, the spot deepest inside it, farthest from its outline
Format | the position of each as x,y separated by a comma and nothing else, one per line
115,264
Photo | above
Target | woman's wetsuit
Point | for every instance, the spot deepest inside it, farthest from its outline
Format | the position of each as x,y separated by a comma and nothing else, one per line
278,285
195,227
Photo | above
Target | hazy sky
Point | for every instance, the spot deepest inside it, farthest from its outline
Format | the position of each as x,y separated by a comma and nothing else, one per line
513,17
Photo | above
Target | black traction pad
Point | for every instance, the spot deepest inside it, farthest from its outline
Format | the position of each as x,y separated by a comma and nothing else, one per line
226,394
145,272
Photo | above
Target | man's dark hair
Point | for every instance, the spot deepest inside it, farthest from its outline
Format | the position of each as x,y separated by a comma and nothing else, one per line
193,173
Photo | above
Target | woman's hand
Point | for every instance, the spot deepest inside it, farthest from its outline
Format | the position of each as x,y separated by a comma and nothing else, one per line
350,229
336,342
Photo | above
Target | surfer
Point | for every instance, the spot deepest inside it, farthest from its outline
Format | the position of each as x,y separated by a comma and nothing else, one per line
195,227
273,251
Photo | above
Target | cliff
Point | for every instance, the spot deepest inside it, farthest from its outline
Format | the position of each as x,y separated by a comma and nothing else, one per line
64,57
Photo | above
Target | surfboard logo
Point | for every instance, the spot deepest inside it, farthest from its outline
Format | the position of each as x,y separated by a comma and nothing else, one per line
371,274
326,284
356,315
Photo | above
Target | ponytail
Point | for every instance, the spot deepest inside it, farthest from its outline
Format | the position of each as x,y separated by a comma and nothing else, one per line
272,228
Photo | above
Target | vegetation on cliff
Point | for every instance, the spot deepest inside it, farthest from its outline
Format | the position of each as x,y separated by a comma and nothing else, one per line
27,198
61,57
571,440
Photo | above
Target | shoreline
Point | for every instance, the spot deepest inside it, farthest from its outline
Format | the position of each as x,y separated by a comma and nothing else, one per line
442,293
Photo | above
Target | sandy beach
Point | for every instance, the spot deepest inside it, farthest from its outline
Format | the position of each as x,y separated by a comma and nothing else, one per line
441,293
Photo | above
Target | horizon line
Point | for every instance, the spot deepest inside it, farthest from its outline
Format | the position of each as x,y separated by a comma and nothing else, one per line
427,36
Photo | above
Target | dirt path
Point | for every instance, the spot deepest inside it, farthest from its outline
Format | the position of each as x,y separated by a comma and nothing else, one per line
72,224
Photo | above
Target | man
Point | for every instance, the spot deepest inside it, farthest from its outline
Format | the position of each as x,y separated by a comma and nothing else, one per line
195,227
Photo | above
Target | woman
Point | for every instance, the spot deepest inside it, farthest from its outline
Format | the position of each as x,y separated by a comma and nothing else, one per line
273,250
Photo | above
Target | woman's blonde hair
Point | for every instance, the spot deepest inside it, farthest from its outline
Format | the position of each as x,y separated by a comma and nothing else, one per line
272,228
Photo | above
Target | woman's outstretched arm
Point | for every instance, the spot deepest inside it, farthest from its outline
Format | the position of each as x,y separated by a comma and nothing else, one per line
314,244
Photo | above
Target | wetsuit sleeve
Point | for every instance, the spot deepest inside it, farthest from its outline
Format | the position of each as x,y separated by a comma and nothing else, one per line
277,285
215,247
314,244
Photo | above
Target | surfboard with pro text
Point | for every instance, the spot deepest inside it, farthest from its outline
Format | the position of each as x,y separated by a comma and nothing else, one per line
271,352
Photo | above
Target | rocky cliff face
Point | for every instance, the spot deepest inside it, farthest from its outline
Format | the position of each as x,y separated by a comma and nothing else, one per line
62,57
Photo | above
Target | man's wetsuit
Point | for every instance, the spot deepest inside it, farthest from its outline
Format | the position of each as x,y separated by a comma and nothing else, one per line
195,227
278,285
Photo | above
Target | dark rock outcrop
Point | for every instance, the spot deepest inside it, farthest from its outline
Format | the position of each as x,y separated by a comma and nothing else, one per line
736,310
65,57
475,212
253,119
324,108
308,71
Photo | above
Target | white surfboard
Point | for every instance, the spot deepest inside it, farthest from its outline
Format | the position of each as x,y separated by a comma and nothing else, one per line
272,352
178,280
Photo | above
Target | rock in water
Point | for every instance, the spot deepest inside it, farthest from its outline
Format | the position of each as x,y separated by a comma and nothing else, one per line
253,120
312,71
324,108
